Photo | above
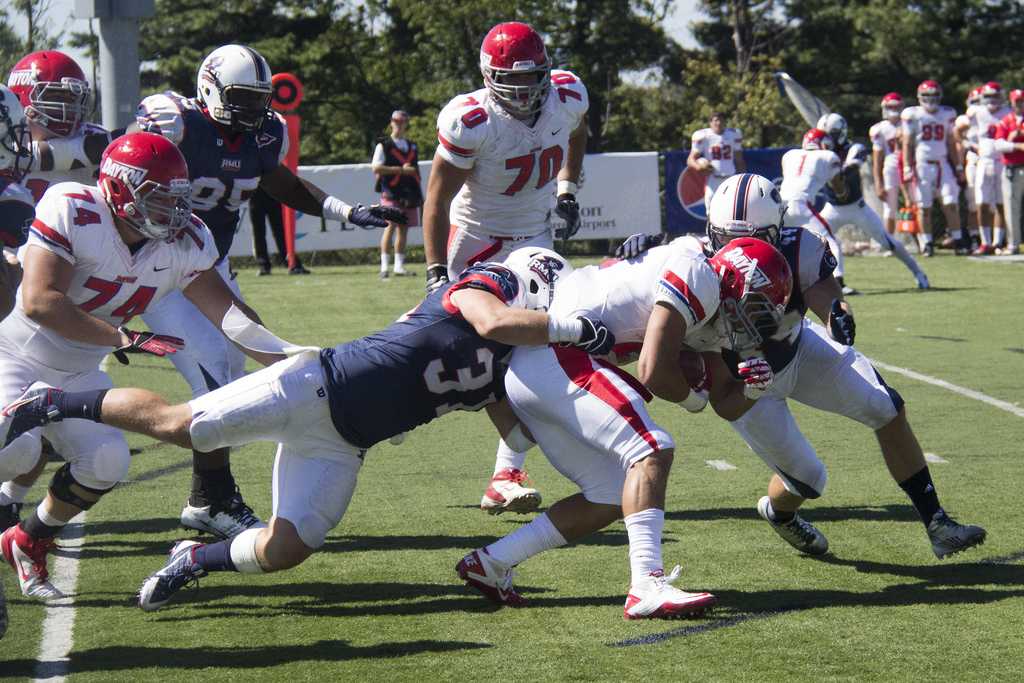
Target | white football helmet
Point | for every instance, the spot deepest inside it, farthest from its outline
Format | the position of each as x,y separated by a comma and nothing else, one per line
745,205
15,141
835,126
234,84
538,270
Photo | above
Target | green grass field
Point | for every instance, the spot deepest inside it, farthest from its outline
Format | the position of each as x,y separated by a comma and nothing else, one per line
382,602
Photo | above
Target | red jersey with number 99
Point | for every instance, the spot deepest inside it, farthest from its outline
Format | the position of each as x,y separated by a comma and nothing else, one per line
511,188
109,281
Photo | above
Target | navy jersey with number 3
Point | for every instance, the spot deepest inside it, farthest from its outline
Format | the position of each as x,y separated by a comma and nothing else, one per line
428,363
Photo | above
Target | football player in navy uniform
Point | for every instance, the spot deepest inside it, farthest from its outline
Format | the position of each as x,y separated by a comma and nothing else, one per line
16,206
233,144
818,366
327,407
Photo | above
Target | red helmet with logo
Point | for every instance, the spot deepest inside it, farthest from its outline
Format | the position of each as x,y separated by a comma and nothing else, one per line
816,138
144,178
756,283
510,50
929,95
892,104
52,89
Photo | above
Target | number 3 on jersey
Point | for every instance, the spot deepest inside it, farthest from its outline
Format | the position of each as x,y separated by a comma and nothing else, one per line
550,164
465,380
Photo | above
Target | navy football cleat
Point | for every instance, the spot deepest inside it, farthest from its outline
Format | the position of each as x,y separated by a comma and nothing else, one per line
34,408
181,570
949,537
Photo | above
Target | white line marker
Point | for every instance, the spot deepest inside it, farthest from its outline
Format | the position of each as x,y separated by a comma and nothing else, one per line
720,465
955,388
937,459
59,622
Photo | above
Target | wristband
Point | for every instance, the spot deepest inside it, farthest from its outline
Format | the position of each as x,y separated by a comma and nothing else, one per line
562,330
336,210
566,187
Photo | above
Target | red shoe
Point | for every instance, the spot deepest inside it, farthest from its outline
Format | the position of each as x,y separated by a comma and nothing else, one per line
27,556
506,493
655,598
479,570
984,250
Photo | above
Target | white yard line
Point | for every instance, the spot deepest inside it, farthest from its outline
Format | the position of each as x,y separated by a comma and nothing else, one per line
720,465
949,386
59,622
937,459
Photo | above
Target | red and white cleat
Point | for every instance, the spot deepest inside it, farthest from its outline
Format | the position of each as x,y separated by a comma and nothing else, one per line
655,598
481,571
27,556
506,493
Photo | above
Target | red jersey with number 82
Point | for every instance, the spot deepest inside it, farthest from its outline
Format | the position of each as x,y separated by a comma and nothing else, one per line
109,282
929,131
511,188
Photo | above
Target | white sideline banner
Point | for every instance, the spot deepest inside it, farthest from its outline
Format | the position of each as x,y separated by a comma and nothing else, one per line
619,196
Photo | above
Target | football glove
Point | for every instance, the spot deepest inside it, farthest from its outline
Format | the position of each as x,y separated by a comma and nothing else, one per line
437,277
376,215
147,342
636,245
568,210
596,339
757,377
840,324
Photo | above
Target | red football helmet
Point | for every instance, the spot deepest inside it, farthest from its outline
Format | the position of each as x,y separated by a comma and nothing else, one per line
144,178
929,95
892,105
510,50
816,138
756,283
1016,98
992,95
974,96
53,90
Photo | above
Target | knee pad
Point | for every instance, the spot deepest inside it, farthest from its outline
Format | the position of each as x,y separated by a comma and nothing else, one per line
105,464
67,489
20,456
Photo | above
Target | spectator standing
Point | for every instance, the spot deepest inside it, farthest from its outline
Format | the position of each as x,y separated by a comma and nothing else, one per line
396,165
717,152
264,208
1010,141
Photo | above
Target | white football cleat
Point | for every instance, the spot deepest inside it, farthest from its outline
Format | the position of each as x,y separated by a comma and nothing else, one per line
27,556
655,598
506,493
481,571
797,532
223,521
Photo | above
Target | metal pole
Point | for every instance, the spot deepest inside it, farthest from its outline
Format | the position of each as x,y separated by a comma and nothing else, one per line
119,70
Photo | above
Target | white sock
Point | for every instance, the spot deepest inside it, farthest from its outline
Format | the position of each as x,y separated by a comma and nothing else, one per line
383,262
45,515
644,531
399,262
985,232
999,234
526,541
12,493
506,457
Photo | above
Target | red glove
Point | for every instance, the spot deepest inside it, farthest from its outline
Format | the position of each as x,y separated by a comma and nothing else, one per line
147,342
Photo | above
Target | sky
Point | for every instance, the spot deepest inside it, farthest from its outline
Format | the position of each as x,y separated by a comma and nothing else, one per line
60,16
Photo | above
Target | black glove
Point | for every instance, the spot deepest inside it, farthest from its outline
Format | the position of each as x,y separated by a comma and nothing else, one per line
376,215
568,210
437,277
597,339
147,342
841,325
636,245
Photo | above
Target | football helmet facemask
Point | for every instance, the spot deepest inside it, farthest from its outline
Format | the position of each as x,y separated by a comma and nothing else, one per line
892,105
745,205
53,91
234,85
929,95
538,270
516,68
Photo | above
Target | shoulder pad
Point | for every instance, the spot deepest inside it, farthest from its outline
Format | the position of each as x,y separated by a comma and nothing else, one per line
698,135
164,114
489,277
688,284
570,91
462,127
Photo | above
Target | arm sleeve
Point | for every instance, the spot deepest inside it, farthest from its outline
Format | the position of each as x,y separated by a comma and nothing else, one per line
461,127
50,229
690,286
163,114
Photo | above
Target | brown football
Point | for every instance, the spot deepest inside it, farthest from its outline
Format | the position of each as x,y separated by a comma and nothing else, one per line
693,366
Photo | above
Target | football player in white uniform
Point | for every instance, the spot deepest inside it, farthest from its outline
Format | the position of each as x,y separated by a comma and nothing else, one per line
590,418
16,205
55,95
987,183
507,153
846,205
716,152
805,172
967,139
928,148
819,367
96,257
885,167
